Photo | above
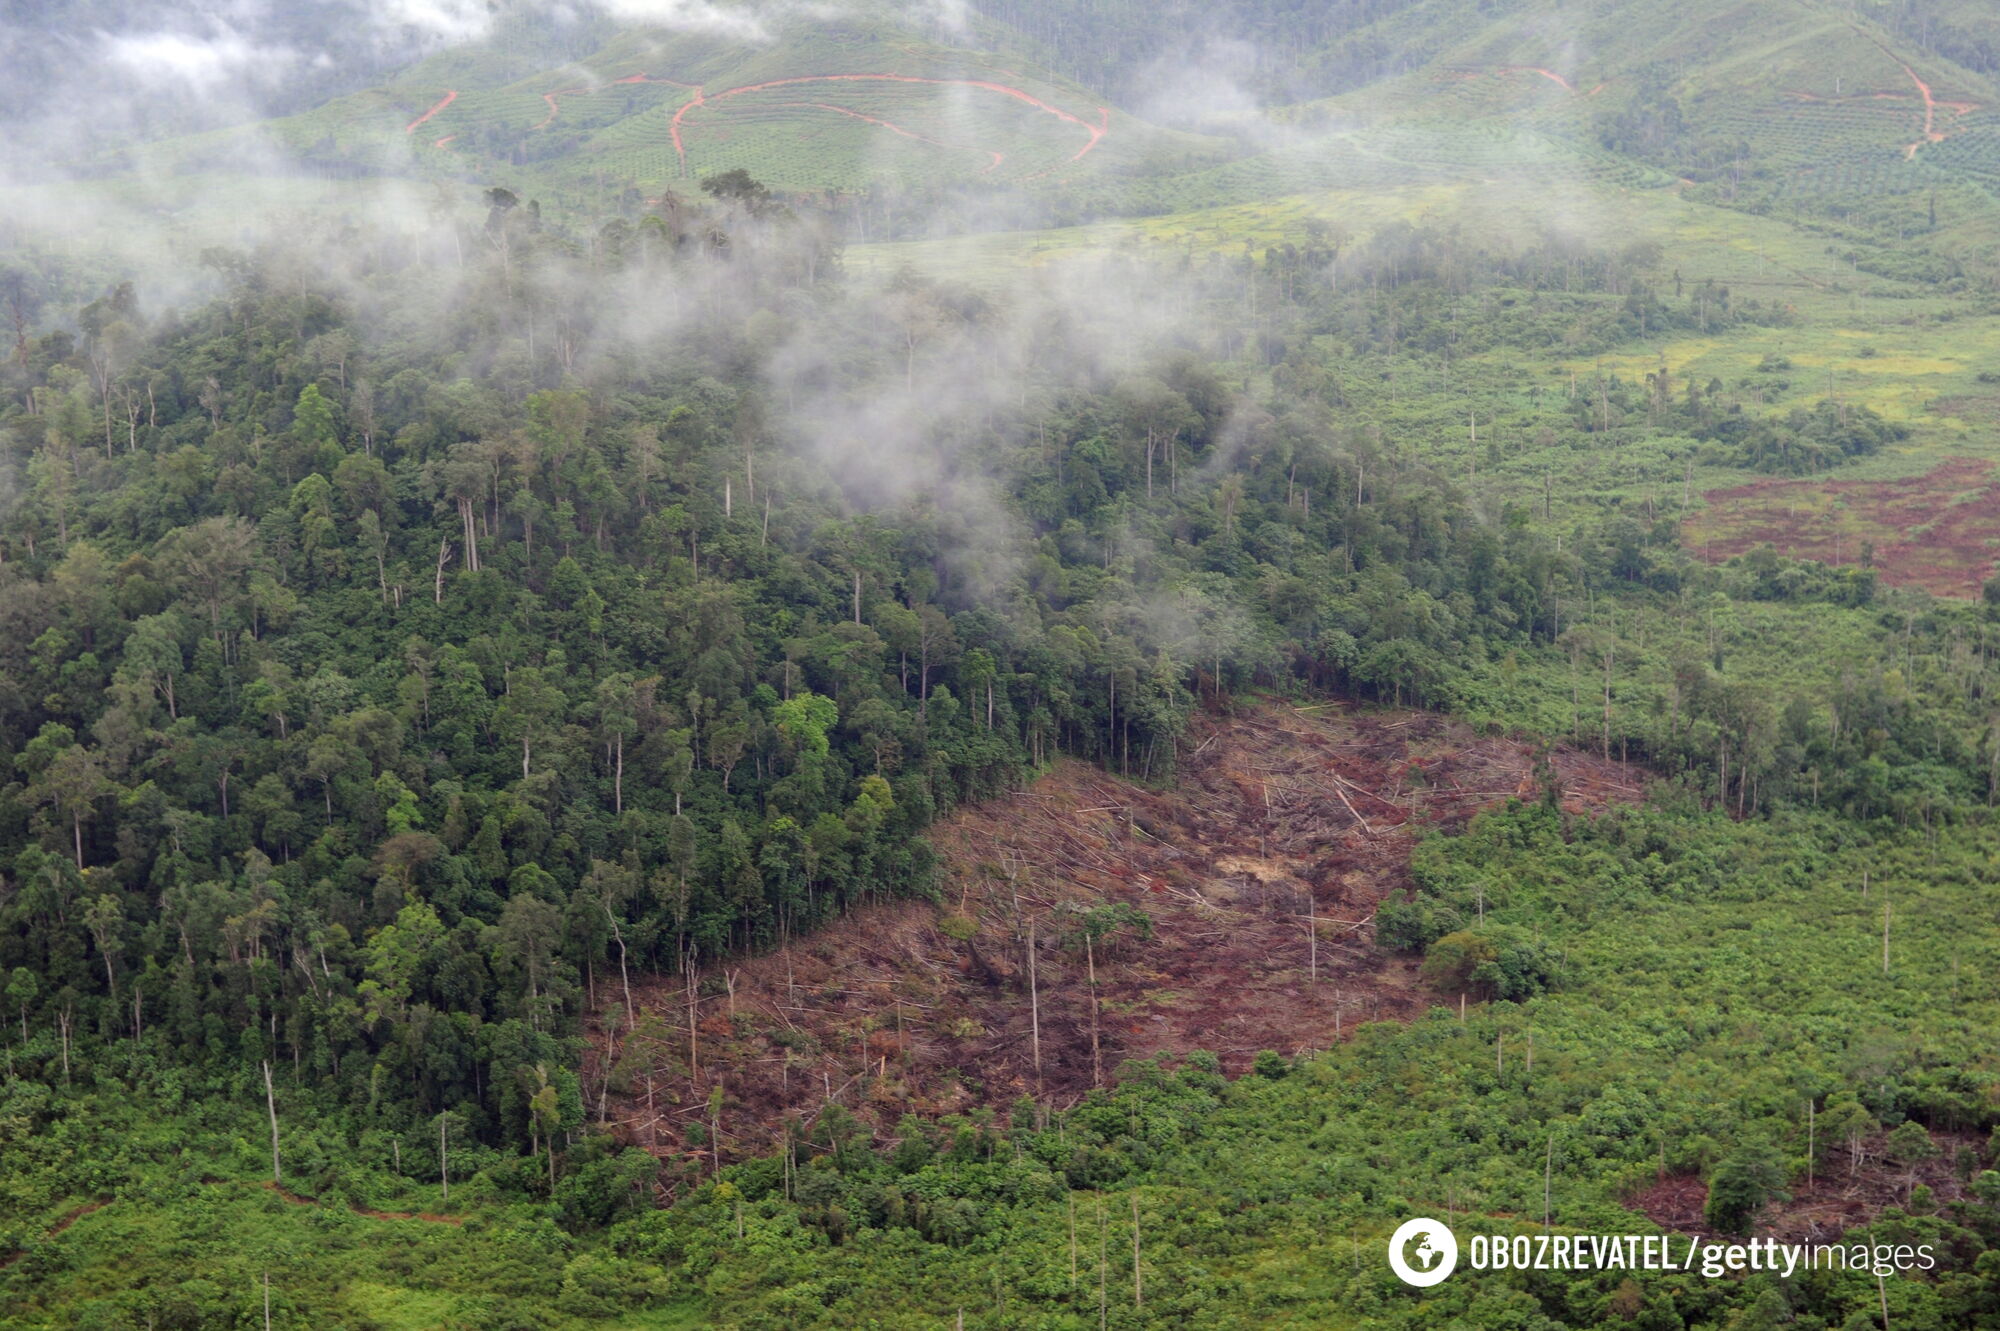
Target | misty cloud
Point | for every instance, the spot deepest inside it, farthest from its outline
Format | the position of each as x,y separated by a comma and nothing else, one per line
432,23
952,18
738,23
167,60
1211,79
446,22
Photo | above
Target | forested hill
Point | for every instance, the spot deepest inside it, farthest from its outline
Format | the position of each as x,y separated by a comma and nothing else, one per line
386,659
911,121
384,662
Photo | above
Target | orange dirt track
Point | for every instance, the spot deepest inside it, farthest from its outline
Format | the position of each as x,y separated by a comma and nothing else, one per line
451,95
702,99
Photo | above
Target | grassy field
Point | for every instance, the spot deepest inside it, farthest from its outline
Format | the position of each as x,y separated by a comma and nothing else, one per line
1764,257
1897,347
180,1218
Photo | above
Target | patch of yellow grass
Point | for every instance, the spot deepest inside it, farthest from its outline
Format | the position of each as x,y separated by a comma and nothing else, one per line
1198,233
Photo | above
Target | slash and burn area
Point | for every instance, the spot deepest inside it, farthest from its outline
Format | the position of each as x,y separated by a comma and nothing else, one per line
1083,921
1939,531
1858,1178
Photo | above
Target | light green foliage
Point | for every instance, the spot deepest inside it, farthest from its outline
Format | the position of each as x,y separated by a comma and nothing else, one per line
804,719
312,419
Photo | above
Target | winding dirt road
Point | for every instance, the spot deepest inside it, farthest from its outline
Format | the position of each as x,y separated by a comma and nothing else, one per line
702,98
678,126
1548,74
1932,134
894,128
550,97
450,96
1931,104
1465,75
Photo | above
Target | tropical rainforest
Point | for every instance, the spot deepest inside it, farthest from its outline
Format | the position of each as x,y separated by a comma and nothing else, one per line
524,533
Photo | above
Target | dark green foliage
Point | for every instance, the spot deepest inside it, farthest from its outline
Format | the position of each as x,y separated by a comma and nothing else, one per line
1270,1063
1803,441
363,715
1740,1185
1500,962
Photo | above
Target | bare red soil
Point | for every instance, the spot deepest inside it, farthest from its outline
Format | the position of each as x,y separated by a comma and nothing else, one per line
702,99
1939,531
1549,74
451,95
550,97
1932,134
1260,874
1845,1193
1103,127
1931,104
60,1225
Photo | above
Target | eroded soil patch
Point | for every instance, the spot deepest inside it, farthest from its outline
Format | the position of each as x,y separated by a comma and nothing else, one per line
56,1229
1846,1192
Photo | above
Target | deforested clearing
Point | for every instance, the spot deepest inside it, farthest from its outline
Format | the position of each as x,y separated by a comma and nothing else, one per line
1939,530
1286,821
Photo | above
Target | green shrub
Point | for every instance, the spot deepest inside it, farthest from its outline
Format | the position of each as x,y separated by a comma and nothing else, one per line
1742,1183
1270,1063
1493,962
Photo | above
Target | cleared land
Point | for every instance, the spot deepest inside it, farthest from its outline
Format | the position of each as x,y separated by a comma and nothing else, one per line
1939,531
1849,1189
1286,822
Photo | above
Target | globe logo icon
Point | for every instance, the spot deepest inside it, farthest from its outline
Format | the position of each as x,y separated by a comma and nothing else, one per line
1422,1252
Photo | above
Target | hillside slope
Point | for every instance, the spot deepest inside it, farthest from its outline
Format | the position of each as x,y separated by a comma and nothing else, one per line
825,106
1773,106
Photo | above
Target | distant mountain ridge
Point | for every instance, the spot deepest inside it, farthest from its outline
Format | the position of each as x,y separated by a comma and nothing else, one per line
1129,109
